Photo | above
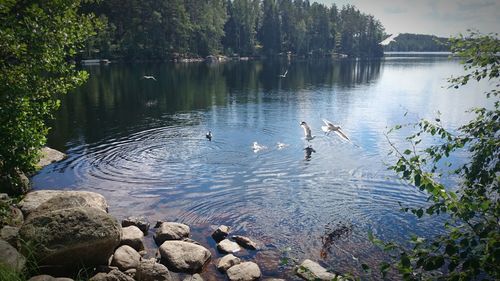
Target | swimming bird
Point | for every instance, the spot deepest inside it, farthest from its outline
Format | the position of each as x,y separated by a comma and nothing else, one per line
149,77
284,74
309,150
209,135
330,127
257,147
307,131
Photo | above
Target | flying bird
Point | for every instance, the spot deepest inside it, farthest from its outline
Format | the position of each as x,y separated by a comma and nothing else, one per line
209,135
281,145
284,74
149,77
330,127
257,147
307,131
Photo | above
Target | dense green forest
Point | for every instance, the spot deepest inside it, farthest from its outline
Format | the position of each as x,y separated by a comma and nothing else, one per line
407,42
169,29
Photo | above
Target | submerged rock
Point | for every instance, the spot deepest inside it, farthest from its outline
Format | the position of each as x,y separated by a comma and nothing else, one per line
184,256
49,156
247,271
220,233
150,270
226,246
133,237
171,231
227,262
140,222
310,270
125,257
245,242
10,257
48,278
194,277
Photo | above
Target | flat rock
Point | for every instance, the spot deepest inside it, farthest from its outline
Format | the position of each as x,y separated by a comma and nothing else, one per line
125,257
246,271
227,246
220,233
310,270
140,222
184,256
150,270
72,237
133,237
34,199
48,278
49,155
171,231
113,275
245,242
10,257
194,277
227,261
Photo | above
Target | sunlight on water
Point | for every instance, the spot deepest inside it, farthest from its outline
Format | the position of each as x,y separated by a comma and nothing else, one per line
142,145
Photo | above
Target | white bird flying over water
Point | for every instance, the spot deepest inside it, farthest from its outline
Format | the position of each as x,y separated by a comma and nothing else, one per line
330,127
307,131
257,147
149,77
284,74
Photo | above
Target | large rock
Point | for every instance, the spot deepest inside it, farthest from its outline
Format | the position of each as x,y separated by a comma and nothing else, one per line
10,257
247,271
69,199
194,277
48,278
113,275
171,231
133,236
125,257
141,222
72,237
220,233
310,270
226,246
48,156
184,256
150,270
227,262
10,234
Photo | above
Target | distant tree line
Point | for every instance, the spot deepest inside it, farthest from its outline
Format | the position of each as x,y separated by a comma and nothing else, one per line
165,29
407,42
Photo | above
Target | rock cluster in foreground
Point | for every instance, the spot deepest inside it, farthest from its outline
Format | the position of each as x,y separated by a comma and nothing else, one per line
69,230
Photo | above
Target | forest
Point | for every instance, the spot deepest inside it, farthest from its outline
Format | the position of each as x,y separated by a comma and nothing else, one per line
164,30
407,42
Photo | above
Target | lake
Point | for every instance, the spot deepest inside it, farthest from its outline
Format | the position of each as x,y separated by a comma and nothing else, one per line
141,143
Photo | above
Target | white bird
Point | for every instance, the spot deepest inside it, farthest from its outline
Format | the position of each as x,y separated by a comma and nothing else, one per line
209,135
257,147
330,127
281,145
284,74
307,131
149,77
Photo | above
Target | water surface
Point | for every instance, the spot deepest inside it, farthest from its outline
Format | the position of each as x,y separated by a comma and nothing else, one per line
142,145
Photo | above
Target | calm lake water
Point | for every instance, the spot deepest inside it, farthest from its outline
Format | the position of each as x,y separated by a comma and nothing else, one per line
142,145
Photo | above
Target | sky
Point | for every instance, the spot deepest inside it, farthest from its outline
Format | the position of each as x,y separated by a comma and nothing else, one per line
435,17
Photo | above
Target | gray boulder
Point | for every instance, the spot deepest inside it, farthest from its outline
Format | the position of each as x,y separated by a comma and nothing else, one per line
150,270
309,270
194,277
10,257
48,278
227,261
10,234
245,242
133,236
247,271
113,275
184,256
34,199
226,246
220,233
171,231
70,237
140,222
125,257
